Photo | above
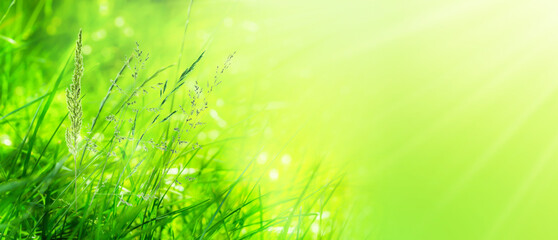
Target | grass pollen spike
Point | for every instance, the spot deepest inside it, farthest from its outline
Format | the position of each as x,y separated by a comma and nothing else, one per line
73,101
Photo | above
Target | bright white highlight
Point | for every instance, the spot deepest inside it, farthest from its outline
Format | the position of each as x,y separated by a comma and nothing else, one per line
286,159
7,142
119,21
262,158
274,174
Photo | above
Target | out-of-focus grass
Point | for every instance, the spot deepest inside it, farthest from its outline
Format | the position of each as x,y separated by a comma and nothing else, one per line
165,153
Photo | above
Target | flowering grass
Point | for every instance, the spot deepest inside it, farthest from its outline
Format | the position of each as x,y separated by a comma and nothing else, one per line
135,165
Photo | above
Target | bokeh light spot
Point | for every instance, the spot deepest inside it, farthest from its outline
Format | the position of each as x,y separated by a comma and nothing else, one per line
128,32
213,134
86,49
202,136
315,227
286,159
274,174
250,26
119,21
262,158
98,35
6,141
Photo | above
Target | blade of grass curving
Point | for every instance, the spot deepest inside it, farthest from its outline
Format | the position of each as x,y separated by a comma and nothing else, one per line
180,81
189,69
178,174
140,87
44,111
215,226
33,17
308,227
7,11
183,36
261,230
22,144
261,210
23,107
165,119
104,101
269,164
46,216
298,202
226,196
299,222
172,214
49,141
186,24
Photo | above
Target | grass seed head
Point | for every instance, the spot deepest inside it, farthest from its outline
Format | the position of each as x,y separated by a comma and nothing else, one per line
73,94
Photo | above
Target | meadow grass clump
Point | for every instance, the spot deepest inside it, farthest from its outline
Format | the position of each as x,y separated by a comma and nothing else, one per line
141,168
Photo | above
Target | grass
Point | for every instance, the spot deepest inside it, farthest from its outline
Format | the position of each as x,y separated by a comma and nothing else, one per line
139,170
73,99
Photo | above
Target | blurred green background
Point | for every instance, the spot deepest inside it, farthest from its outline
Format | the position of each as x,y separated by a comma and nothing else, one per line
442,114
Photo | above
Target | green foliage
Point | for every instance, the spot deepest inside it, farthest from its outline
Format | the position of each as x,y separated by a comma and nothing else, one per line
140,168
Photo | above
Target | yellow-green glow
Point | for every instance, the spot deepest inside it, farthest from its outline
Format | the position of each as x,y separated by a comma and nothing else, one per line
443,115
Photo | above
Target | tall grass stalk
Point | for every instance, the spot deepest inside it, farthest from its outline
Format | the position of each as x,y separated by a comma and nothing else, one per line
75,111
